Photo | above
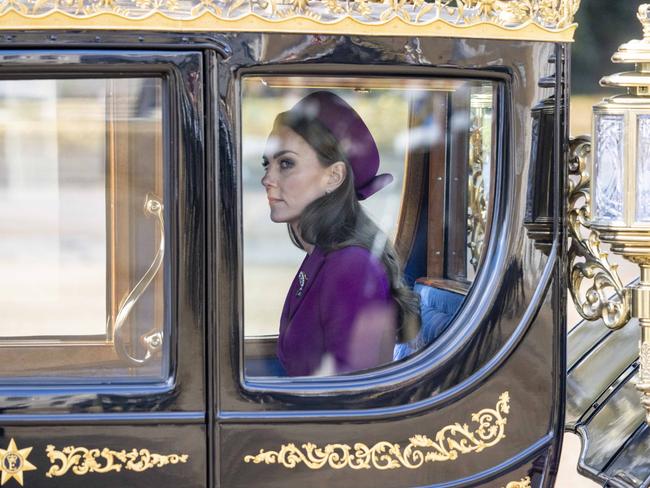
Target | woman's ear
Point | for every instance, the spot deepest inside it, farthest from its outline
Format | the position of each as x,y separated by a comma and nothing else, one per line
337,172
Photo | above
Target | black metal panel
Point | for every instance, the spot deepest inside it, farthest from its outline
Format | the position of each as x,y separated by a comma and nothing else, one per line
582,339
513,270
507,337
631,466
610,428
163,440
603,406
598,369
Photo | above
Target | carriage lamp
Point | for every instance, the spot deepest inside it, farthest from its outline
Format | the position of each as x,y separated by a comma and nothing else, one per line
620,183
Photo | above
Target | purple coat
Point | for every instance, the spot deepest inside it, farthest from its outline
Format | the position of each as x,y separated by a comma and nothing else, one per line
339,315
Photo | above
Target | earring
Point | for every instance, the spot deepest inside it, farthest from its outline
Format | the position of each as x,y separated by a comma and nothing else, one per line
328,191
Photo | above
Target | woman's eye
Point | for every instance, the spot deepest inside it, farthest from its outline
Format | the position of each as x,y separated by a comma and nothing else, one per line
265,164
286,163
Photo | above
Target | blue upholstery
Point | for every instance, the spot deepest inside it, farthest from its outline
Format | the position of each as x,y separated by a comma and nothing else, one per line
437,308
264,367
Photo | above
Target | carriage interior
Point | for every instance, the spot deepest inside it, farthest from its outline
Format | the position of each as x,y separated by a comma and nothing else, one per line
438,137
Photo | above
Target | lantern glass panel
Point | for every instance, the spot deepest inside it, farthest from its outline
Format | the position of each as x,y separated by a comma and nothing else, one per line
608,170
643,170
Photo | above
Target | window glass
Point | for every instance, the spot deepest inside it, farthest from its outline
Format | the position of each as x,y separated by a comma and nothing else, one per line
82,248
365,211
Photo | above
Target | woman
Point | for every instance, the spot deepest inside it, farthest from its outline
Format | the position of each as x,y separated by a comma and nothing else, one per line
347,305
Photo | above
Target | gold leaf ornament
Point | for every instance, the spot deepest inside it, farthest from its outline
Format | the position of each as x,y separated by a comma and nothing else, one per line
522,483
447,445
81,460
427,7
592,277
505,19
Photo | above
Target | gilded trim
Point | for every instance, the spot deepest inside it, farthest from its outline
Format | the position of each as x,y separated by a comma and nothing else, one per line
477,205
450,441
543,20
592,278
83,461
522,483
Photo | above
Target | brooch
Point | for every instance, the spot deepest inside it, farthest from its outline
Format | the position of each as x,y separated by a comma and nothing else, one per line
302,279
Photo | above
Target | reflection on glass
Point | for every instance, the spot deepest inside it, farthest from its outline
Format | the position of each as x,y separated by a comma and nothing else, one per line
480,150
643,170
608,189
77,159
52,208
328,305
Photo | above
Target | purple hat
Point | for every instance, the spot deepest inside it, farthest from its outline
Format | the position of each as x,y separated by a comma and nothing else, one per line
353,136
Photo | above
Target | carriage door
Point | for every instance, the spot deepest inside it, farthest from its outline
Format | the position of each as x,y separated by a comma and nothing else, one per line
308,393
102,379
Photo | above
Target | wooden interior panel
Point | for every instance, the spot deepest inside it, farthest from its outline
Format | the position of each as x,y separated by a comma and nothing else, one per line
414,184
456,228
443,284
437,190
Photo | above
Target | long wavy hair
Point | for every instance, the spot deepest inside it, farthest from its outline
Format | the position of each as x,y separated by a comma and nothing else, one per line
337,220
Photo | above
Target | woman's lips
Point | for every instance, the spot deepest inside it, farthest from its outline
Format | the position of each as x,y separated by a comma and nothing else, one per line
273,200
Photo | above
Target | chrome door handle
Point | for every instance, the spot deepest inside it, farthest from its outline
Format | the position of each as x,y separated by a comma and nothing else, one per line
152,340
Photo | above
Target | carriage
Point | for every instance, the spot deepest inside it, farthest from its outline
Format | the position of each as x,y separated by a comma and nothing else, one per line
142,281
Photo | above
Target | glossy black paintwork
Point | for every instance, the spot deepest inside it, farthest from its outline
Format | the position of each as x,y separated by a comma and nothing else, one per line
172,439
501,285
602,405
508,337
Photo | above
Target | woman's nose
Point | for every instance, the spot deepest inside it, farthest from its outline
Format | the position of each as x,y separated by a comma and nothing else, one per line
268,180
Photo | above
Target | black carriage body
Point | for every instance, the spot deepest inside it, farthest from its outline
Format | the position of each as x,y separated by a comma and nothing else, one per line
482,406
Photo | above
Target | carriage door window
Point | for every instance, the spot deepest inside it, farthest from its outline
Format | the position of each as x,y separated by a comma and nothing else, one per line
82,222
366,208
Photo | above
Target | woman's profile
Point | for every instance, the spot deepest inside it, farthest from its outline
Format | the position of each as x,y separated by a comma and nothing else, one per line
347,306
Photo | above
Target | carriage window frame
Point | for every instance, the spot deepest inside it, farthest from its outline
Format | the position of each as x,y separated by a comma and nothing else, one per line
97,65
433,354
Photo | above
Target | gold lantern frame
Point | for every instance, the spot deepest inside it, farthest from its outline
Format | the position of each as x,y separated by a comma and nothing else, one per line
629,237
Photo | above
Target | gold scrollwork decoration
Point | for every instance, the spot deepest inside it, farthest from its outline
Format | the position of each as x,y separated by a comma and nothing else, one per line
448,443
81,460
476,198
587,263
502,19
522,483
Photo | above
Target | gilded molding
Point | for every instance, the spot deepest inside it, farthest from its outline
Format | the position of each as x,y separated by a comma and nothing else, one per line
522,483
83,461
477,205
547,20
588,265
450,442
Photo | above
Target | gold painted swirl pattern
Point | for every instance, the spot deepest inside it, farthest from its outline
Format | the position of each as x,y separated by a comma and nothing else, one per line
522,483
81,460
447,445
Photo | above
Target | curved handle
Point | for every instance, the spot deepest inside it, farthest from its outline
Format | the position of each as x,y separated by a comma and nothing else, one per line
153,339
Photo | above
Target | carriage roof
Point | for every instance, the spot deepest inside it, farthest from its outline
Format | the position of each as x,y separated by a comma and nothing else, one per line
545,20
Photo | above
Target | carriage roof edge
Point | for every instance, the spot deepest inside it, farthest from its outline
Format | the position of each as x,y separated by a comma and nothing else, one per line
535,20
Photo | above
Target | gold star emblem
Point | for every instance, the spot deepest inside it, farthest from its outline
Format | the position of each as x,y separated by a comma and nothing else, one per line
13,462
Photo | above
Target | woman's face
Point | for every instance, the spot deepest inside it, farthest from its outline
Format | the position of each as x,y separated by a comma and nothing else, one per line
294,177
